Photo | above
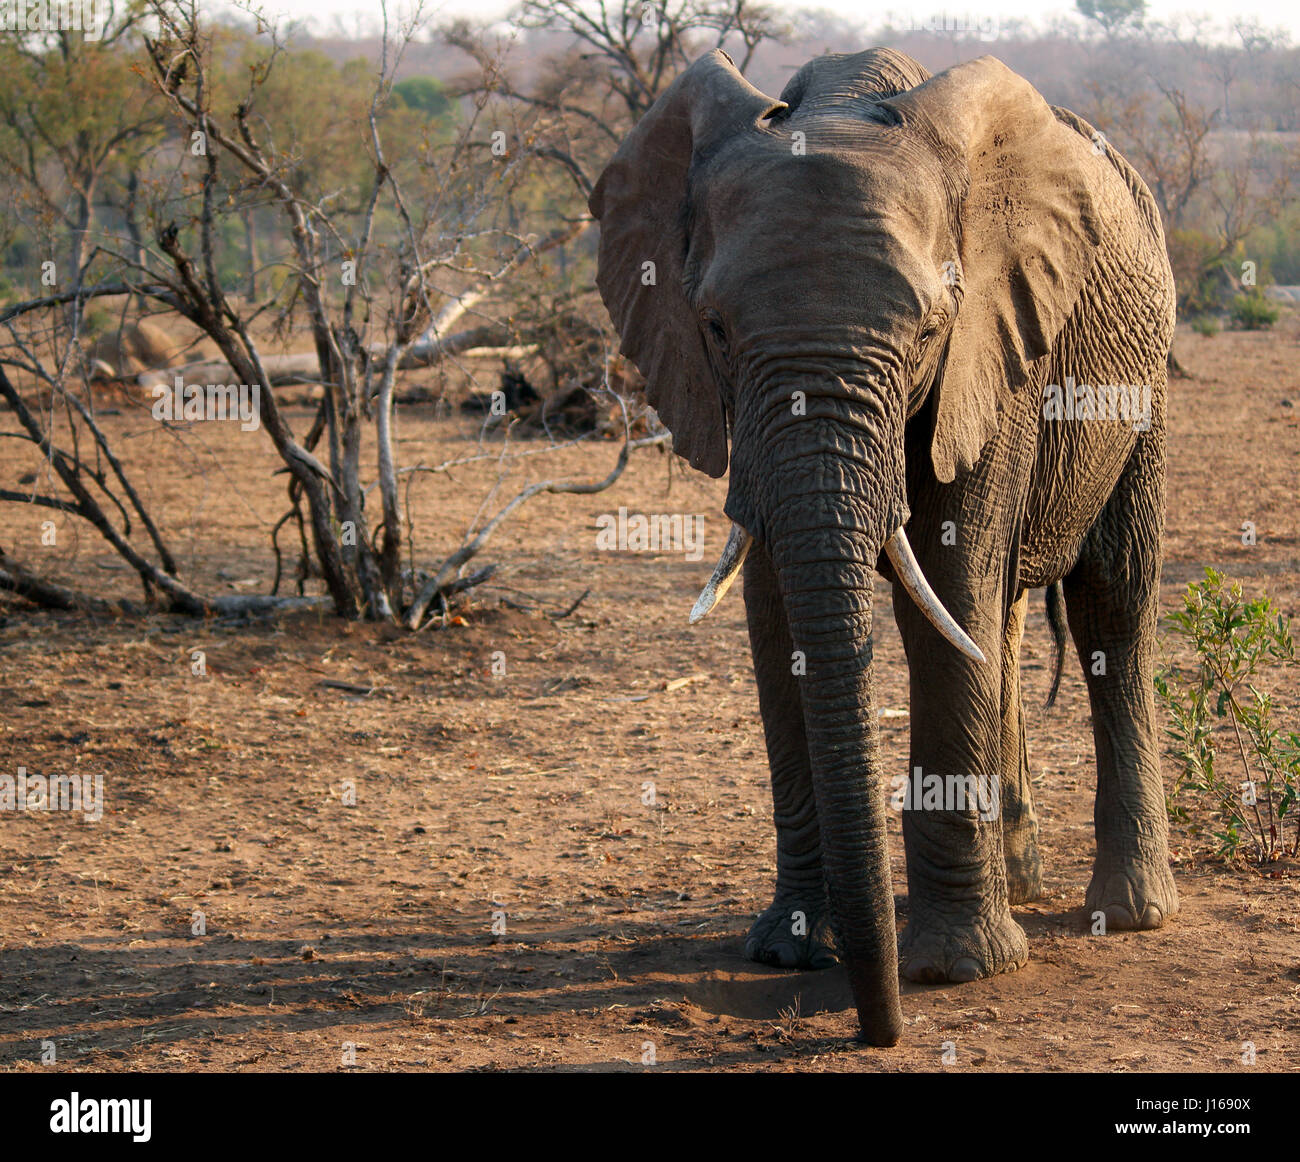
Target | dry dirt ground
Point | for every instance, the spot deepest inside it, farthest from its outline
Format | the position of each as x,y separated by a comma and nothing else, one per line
348,853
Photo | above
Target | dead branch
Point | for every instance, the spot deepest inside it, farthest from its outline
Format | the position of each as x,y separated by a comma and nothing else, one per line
572,608
16,579
458,559
80,294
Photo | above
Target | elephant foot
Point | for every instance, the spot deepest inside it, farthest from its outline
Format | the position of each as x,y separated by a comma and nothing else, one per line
793,933
935,950
1134,897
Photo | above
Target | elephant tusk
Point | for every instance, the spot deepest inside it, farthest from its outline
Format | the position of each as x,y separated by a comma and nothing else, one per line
733,556
918,588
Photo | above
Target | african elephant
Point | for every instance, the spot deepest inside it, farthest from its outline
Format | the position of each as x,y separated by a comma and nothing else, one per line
894,293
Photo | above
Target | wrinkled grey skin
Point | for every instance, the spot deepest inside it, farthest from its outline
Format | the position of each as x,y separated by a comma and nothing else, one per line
919,263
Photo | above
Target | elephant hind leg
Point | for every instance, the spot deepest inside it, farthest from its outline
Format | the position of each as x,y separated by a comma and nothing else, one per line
1111,598
1019,819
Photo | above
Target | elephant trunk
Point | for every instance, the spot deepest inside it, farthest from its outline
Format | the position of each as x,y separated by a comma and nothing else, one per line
824,554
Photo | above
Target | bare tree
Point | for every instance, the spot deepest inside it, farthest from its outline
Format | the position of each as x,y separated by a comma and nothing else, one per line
405,267
618,58
1163,96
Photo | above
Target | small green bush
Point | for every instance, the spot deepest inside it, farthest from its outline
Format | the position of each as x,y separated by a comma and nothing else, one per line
97,321
1218,702
1198,273
428,95
1206,325
1253,312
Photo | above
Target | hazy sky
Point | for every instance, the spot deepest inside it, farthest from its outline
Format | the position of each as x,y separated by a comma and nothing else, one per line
1269,13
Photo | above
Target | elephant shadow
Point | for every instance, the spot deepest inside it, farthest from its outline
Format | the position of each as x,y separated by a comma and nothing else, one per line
740,988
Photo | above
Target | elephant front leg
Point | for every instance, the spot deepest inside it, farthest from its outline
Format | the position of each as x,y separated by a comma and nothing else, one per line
960,926
795,930
1019,819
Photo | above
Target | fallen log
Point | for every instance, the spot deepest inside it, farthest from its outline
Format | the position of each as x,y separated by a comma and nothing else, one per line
304,367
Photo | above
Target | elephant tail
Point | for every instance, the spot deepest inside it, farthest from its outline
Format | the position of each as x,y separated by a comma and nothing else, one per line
1060,632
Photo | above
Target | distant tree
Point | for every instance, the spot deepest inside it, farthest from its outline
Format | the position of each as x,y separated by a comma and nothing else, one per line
616,60
1161,98
72,118
640,46
1112,15
426,95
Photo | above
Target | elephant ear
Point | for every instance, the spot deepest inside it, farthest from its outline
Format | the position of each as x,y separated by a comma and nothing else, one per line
1029,232
640,201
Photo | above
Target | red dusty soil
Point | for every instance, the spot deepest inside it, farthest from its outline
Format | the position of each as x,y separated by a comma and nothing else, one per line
347,852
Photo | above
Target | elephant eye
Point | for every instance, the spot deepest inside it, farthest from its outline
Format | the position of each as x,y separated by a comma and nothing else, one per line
713,324
928,332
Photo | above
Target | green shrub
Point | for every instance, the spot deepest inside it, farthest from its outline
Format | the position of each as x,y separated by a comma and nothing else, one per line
1218,702
1253,312
97,321
1198,273
428,95
1276,246
1206,325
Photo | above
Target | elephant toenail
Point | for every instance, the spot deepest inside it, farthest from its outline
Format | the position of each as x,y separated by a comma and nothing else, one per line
922,971
965,968
1120,918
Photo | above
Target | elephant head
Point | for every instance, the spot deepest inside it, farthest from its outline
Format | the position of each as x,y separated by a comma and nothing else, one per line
807,275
